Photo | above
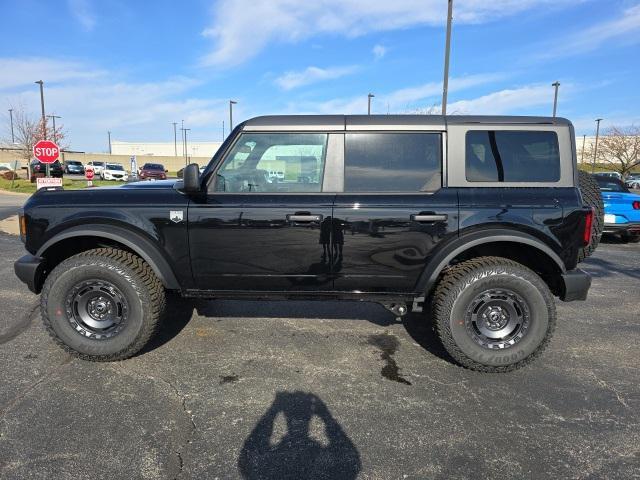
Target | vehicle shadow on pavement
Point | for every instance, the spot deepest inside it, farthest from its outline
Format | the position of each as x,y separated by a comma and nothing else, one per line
176,316
308,443
604,268
420,329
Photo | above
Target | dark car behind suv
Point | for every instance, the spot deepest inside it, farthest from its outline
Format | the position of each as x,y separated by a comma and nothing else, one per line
39,169
477,221
152,171
73,167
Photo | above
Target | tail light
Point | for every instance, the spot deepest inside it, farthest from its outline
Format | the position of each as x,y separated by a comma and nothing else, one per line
23,227
636,205
36,167
588,223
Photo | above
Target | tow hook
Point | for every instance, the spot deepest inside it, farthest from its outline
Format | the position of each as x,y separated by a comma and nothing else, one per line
398,309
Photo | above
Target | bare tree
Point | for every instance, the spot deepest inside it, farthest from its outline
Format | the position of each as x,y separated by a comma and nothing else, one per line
619,149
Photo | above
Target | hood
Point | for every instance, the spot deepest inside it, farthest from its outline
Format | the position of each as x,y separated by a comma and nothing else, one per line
149,185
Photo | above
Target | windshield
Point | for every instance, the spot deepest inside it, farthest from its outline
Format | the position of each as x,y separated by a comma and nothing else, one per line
153,166
98,164
611,185
114,166
72,162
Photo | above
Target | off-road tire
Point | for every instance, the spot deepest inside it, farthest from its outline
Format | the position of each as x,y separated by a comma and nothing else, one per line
455,293
132,276
592,197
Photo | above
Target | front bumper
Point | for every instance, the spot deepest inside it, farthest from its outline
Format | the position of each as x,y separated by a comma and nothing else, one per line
576,285
29,270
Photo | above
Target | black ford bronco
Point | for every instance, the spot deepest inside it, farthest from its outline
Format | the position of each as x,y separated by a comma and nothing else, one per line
478,221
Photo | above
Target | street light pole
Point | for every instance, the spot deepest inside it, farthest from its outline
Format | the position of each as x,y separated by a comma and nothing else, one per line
175,140
109,136
13,138
223,130
44,120
555,84
447,48
55,134
182,136
369,97
595,148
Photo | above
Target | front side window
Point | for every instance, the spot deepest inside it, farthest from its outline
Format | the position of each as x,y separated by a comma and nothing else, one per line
274,162
512,156
392,162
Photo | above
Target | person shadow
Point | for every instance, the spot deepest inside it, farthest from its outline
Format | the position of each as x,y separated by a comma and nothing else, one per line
307,450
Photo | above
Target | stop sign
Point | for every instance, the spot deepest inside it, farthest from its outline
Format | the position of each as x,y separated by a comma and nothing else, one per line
46,151
88,173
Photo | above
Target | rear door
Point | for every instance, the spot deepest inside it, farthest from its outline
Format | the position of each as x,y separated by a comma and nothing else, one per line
264,224
393,210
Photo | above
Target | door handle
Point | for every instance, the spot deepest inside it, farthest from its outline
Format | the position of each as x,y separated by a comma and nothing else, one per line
301,218
429,217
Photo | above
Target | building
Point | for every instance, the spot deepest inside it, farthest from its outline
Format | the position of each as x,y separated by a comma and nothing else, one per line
164,149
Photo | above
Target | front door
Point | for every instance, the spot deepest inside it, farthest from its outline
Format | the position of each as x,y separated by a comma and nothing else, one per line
393,211
262,225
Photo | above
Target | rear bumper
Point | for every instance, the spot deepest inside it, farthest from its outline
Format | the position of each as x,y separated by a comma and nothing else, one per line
28,269
576,285
631,227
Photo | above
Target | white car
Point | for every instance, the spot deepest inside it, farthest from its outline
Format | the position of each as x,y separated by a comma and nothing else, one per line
96,166
114,171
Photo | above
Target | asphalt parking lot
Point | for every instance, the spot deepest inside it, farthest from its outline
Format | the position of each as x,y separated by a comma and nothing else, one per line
322,390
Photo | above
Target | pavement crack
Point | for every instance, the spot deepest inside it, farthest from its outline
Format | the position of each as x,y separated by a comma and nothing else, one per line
611,388
21,325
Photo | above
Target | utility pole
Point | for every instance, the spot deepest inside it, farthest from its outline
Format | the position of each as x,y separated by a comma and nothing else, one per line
175,139
369,97
13,138
447,48
223,130
186,151
231,104
595,149
109,136
555,84
182,136
55,133
44,118
584,139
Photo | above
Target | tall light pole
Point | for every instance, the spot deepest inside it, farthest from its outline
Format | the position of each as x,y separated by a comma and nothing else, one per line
55,134
13,138
231,104
447,48
369,97
175,139
223,130
186,152
44,120
109,137
555,84
595,148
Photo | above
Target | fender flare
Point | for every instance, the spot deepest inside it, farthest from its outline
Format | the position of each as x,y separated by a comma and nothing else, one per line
143,247
464,242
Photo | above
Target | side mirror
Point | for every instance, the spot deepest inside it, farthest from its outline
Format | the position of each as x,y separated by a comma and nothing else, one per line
191,178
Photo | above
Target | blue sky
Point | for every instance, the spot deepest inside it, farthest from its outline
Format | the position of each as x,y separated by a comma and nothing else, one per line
133,67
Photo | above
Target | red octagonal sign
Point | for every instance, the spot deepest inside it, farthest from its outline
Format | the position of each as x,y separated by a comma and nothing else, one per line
46,151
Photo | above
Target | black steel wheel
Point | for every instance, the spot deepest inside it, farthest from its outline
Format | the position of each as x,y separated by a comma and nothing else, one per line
103,304
493,314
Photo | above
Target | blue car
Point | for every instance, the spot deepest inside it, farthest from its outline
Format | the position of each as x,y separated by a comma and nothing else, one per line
621,209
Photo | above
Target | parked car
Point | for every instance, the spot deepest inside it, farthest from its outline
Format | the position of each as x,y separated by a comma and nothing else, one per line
114,171
152,171
614,175
96,166
180,172
621,209
632,181
371,207
73,167
39,169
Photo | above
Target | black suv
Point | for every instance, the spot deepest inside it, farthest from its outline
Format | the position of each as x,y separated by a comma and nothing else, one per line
39,169
477,221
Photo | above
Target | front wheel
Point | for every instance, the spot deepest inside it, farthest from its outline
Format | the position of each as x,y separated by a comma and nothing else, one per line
493,314
102,304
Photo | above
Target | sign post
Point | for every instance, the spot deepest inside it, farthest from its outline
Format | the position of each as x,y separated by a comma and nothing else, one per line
46,152
88,173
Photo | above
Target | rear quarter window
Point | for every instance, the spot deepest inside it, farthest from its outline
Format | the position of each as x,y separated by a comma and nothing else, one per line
511,156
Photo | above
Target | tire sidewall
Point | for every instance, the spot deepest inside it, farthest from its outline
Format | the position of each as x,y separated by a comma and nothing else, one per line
539,319
96,269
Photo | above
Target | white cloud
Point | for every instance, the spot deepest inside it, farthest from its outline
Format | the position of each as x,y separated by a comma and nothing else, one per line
379,51
311,75
91,104
17,72
507,101
237,36
624,28
82,12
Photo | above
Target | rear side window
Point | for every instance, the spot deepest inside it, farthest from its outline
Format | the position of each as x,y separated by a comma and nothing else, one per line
392,162
512,156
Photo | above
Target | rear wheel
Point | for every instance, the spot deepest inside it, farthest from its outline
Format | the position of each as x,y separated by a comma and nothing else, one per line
102,304
493,314
593,198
